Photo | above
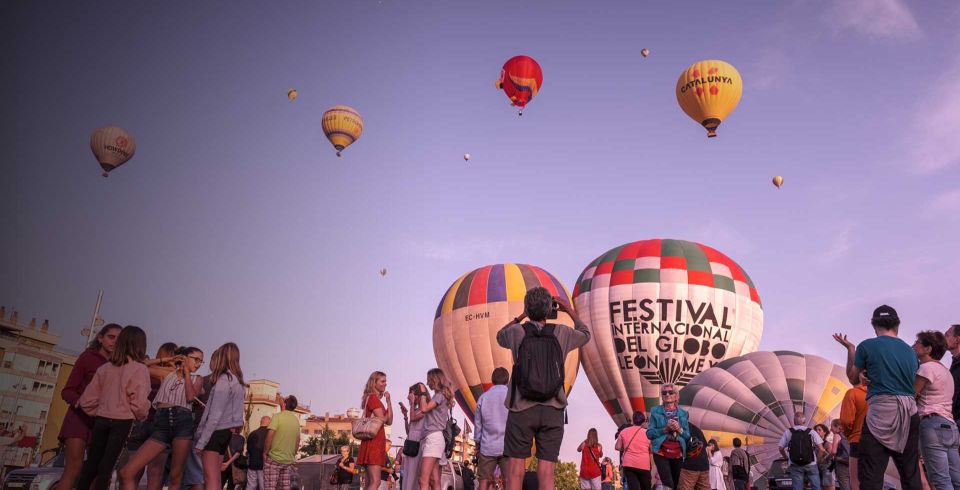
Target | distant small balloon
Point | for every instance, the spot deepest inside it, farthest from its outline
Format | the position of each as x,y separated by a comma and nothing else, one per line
292,94
383,271
778,181
466,157
645,52
112,146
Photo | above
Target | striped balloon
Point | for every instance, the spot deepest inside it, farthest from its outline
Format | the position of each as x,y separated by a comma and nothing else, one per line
754,398
112,146
472,312
342,125
660,312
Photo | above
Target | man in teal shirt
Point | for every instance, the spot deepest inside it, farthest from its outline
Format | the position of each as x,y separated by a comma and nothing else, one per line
892,425
280,448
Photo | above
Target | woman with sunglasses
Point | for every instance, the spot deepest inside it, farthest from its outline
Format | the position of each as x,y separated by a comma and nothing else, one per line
669,433
172,421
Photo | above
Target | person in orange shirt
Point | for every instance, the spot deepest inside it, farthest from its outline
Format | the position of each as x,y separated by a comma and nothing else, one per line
853,411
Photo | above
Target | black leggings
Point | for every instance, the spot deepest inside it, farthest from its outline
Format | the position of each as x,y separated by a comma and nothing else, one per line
109,436
669,470
637,479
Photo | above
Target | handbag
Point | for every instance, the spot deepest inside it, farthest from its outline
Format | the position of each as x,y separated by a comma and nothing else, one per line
411,448
450,433
366,428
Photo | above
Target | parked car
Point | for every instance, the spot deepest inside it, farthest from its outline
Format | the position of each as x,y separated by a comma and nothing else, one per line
36,477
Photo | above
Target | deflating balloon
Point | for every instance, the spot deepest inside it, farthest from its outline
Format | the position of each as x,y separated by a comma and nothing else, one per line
342,125
708,91
521,79
645,52
661,311
112,146
754,397
292,95
778,181
472,312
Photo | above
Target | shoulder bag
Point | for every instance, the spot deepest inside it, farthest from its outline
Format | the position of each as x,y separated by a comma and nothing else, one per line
366,428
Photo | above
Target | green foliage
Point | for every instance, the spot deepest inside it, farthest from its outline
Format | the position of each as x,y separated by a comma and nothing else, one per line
566,476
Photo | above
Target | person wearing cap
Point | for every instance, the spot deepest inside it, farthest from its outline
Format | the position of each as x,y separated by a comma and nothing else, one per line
892,425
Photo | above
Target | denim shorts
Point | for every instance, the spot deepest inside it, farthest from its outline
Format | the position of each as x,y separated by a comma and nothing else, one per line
172,423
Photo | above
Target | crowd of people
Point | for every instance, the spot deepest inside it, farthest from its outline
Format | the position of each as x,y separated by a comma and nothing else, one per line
130,414
184,430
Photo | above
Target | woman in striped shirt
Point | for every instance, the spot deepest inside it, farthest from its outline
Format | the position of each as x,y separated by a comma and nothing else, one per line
172,420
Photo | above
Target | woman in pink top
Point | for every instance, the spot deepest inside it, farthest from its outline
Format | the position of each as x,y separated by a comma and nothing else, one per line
77,426
116,397
939,439
634,447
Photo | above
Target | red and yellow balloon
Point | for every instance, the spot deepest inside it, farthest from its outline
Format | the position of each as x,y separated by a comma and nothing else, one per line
521,79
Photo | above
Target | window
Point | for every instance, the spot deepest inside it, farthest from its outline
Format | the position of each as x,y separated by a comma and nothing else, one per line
36,386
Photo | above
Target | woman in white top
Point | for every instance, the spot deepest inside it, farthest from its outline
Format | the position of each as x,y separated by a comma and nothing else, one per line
939,439
413,421
436,415
172,420
716,466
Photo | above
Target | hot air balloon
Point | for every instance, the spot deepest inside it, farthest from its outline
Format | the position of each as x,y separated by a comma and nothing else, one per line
342,125
521,79
469,316
778,181
112,146
644,52
754,397
661,311
292,95
708,91
466,157
383,271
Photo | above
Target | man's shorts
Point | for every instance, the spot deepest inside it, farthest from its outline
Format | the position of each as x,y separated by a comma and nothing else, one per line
486,465
540,422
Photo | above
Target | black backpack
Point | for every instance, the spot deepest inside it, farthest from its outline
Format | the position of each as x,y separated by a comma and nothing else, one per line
538,368
801,447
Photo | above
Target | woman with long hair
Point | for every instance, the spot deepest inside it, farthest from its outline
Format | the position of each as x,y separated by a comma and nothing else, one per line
635,456
346,468
716,466
224,413
413,422
436,415
77,426
828,480
116,397
607,474
158,367
590,453
669,433
371,454
173,421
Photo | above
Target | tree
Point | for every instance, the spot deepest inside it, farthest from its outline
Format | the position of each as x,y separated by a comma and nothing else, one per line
312,447
566,477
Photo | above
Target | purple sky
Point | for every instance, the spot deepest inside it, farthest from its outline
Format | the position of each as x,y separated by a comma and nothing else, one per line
236,221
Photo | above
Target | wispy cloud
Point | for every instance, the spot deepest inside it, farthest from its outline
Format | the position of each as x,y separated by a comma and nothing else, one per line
947,203
933,143
840,245
721,235
771,69
474,249
875,19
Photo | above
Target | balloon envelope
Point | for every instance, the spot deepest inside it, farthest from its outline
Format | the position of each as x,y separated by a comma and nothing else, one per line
660,311
471,313
342,125
521,79
292,95
112,146
754,397
778,181
645,52
708,91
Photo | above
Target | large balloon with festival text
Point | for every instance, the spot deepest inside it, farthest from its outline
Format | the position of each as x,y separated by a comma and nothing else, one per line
471,313
660,311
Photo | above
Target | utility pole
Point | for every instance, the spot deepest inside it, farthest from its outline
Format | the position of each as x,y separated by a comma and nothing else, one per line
93,321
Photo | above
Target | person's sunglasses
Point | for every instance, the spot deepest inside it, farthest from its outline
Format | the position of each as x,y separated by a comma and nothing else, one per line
199,361
668,392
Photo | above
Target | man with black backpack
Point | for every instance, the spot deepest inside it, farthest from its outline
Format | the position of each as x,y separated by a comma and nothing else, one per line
536,399
800,445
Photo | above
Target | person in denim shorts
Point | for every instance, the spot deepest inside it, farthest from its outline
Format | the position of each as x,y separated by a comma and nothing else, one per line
172,421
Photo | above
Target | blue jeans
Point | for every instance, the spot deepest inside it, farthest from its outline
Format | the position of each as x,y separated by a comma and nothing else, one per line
939,443
810,471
